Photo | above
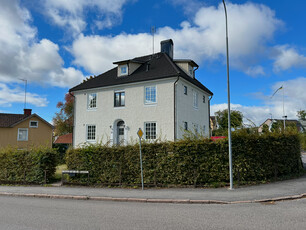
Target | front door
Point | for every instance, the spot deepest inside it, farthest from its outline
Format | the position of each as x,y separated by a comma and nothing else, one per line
120,133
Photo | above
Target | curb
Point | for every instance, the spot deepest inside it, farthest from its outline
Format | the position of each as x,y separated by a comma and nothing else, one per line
151,200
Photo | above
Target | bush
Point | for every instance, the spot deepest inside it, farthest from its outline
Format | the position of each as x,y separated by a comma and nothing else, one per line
195,162
27,166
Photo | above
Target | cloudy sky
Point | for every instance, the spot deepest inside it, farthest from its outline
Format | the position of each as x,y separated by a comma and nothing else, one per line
55,44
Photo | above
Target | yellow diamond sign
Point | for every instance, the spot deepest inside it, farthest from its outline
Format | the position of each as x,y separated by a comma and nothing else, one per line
140,133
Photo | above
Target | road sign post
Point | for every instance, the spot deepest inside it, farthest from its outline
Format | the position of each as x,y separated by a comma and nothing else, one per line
140,133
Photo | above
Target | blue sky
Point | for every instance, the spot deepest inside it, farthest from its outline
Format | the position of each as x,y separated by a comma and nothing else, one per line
55,44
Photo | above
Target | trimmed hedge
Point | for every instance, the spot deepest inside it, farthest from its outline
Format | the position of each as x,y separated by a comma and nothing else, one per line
191,162
27,166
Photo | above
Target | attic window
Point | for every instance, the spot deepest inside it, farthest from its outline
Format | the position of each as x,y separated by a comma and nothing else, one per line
123,70
33,124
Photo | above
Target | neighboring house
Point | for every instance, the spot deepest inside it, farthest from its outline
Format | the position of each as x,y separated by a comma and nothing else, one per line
156,93
213,123
303,123
64,139
24,130
270,121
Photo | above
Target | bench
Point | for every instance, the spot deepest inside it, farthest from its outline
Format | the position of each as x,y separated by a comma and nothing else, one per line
72,173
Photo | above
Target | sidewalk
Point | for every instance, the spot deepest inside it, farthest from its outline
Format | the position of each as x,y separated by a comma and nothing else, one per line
282,190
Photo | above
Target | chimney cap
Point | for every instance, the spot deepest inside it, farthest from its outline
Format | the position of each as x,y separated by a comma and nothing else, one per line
27,111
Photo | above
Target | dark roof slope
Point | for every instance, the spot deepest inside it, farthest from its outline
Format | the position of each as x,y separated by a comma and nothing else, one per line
7,120
160,66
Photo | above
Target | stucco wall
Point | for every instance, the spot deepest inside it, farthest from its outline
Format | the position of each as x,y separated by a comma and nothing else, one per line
135,112
187,113
41,136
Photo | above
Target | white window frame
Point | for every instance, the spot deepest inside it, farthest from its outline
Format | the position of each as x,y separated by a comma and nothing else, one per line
88,101
31,126
120,70
27,134
95,133
195,100
145,130
149,102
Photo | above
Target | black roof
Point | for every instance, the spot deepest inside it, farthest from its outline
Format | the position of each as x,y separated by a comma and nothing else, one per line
161,66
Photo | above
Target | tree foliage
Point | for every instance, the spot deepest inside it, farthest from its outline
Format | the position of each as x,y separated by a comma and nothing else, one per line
222,119
63,120
301,115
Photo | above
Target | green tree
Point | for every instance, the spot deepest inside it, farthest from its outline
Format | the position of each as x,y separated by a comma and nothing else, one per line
222,119
63,120
301,115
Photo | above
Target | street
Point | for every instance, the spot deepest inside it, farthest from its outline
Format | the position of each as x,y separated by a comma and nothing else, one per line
33,213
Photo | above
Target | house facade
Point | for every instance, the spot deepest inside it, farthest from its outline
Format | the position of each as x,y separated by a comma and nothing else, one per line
156,93
269,122
24,130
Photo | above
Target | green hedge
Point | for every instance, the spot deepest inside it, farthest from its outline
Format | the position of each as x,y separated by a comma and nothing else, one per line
27,166
191,162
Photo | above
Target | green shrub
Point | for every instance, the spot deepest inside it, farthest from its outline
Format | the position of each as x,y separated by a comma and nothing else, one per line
194,162
27,166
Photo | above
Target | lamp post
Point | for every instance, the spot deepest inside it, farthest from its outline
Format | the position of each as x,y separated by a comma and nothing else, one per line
229,106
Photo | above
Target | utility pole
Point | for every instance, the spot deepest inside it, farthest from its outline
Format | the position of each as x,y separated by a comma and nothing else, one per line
25,92
153,31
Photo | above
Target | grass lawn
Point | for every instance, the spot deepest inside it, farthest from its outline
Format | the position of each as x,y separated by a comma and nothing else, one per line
58,172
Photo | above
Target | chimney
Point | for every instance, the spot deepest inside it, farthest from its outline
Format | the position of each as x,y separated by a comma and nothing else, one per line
166,46
27,112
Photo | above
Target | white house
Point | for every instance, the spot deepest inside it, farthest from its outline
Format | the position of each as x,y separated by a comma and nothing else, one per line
156,93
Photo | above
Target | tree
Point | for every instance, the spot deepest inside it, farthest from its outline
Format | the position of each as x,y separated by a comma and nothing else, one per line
222,119
301,115
63,120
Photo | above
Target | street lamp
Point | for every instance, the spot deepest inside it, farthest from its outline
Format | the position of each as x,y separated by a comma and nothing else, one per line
229,106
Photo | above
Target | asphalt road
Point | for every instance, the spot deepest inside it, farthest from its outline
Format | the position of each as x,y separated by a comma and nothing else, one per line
31,213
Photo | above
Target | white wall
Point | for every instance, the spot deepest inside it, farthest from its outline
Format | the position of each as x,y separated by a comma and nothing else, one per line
186,112
135,113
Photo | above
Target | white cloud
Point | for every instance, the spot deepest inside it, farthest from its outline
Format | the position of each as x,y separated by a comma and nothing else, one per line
294,100
251,26
70,14
21,56
288,57
8,96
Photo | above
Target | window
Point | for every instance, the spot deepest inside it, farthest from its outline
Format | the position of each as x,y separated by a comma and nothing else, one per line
150,129
150,94
196,128
185,90
123,70
91,132
119,99
33,124
195,100
22,134
185,125
203,99
92,101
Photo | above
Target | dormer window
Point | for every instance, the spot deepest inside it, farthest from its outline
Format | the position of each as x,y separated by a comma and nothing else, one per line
123,70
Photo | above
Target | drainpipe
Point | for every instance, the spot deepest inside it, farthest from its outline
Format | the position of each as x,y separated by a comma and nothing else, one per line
210,129
175,117
194,71
71,94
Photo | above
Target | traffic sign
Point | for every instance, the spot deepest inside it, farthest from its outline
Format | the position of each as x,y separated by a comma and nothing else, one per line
140,133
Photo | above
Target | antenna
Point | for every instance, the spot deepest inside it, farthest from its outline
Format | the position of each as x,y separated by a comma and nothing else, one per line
153,31
25,91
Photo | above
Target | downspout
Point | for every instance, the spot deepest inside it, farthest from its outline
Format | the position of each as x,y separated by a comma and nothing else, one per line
175,108
210,129
194,71
71,94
